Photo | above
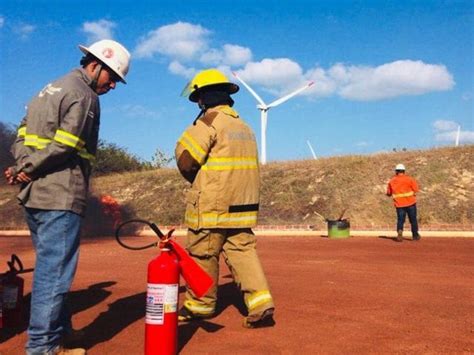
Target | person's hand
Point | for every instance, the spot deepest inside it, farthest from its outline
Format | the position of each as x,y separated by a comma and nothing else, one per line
22,177
13,179
9,176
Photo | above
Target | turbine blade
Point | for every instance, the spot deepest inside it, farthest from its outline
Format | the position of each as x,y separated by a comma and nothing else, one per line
251,90
289,96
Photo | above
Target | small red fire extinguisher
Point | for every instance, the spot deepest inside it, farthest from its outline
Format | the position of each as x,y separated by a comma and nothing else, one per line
161,320
11,294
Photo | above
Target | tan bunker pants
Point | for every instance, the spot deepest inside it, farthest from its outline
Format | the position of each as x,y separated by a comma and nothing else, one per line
239,249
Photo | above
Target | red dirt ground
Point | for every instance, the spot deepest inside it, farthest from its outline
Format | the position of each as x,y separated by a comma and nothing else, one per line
357,295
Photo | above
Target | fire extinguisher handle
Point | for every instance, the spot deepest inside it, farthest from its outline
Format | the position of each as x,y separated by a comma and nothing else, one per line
11,264
18,268
157,230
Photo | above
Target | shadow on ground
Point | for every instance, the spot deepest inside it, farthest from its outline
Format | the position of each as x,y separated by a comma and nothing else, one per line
227,295
78,301
125,311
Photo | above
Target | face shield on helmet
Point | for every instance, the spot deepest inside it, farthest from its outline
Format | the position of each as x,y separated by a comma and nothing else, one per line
112,54
206,79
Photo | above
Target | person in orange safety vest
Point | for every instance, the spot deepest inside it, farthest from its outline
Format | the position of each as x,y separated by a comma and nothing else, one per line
403,188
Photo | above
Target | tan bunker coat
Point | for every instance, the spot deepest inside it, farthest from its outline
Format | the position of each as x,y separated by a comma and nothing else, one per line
225,192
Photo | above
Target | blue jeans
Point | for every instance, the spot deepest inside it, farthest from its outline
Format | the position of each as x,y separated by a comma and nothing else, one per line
55,236
401,216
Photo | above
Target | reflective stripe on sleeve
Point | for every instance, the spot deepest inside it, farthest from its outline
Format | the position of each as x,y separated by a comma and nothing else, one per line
192,147
83,153
32,140
227,163
257,299
21,131
68,139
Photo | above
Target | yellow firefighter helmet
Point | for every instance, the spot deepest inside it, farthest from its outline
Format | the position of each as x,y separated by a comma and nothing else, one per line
208,78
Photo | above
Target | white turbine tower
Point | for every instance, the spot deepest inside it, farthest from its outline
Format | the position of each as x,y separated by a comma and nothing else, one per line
263,107
458,134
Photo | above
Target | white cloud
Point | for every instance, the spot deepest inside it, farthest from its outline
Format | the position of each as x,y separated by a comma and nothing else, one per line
445,125
211,57
324,84
351,82
229,55
180,40
102,29
278,76
446,131
2,21
187,47
236,55
177,68
465,137
24,30
402,77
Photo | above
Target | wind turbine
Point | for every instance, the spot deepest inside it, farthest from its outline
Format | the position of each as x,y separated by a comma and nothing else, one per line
263,107
457,135
312,150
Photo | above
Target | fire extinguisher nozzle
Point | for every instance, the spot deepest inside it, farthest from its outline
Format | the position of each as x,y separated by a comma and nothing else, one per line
197,279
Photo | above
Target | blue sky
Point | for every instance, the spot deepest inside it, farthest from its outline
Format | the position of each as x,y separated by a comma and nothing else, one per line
387,74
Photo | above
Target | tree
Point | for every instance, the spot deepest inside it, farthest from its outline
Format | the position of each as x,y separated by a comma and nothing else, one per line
7,137
160,159
111,158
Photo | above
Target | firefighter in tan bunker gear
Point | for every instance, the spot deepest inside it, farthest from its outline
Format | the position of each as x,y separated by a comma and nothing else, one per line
217,154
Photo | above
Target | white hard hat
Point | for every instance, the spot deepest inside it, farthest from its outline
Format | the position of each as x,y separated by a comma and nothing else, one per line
112,54
400,167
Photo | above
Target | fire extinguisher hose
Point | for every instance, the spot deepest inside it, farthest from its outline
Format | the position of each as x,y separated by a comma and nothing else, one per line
163,238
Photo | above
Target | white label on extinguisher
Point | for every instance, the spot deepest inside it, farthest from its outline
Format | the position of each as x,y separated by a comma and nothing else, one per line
160,299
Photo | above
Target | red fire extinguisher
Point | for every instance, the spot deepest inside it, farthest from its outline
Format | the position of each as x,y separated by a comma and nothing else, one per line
162,304
11,294
161,320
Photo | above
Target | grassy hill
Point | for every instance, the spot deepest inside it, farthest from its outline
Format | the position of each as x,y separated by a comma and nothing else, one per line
295,192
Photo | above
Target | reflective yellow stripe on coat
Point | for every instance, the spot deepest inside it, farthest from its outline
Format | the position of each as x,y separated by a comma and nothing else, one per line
210,219
404,194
